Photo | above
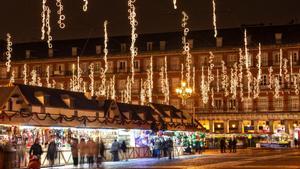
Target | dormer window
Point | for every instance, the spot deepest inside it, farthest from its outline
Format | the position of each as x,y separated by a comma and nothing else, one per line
162,45
98,49
28,54
142,115
68,100
128,115
191,43
74,51
278,38
43,98
149,46
123,47
50,52
219,42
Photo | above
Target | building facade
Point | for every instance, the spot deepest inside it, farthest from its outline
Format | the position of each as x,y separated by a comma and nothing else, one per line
222,114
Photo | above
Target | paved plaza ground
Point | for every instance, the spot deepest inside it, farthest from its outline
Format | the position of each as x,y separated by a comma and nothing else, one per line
245,159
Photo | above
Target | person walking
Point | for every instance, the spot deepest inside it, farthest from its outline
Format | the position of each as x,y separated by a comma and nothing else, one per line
52,152
223,145
234,142
115,151
102,149
124,150
36,149
82,150
170,148
157,146
230,145
90,152
74,150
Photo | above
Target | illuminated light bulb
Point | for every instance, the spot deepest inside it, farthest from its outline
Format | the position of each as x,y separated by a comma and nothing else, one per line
234,81
149,81
204,87
85,5
174,4
259,72
134,35
25,74
91,76
214,18
8,52
142,93
285,69
295,84
62,17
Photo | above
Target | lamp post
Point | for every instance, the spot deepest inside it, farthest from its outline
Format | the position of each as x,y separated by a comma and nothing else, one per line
184,92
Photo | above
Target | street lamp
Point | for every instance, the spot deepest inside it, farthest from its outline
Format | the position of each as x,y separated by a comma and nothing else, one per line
184,92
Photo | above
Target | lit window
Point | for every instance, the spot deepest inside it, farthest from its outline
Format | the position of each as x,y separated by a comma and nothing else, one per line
149,46
247,104
218,104
123,47
262,104
264,59
74,51
276,57
122,66
278,104
294,103
98,49
232,104
295,56
162,45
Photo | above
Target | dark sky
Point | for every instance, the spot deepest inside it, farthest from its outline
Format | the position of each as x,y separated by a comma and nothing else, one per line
23,20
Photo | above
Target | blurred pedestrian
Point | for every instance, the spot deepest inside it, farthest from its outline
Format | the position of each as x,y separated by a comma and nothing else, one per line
124,150
91,148
52,151
223,145
74,150
36,149
234,142
230,145
82,150
170,148
115,151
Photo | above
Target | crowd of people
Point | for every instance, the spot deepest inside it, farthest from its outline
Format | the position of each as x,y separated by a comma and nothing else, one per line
230,144
163,148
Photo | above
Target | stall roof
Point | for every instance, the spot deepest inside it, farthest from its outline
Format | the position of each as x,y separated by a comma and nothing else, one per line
136,109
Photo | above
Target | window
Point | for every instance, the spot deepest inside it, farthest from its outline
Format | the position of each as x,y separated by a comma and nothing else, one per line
232,59
60,68
162,45
149,46
97,67
110,65
3,72
203,60
232,104
247,104
278,37
84,67
175,82
294,55
276,57
175,63
137,65
218,104
74,51
38,69
98,49
262,104
136,86
294,103
50,52
123,47
122,66
217,59
264,80
191,43
264,59
250,60
121,85
50,69
160,62
278,104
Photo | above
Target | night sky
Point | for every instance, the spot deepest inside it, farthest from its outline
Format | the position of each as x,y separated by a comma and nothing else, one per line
22,18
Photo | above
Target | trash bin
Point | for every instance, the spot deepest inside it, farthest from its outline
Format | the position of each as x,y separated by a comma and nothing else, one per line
10,158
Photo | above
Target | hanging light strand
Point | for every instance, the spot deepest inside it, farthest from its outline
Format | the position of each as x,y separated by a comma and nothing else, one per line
91,76
134,35
214,19
8,52
43,15
280,62
186,48
25,74
271,77
48,26
241,63
175,4
105,47
12,78
49,85
61,16
224,77
85,5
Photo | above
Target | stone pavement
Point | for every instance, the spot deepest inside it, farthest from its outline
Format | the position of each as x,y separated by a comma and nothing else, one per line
245,159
